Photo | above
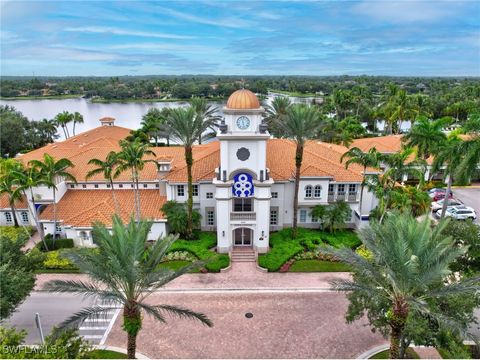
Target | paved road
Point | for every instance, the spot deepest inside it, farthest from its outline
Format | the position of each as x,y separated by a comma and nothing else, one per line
470,197
53,309
288,324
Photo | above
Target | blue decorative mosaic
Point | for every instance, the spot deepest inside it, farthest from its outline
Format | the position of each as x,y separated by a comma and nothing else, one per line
242,185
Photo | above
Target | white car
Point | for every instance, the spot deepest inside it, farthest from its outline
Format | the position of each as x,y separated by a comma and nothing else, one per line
439,204
459,213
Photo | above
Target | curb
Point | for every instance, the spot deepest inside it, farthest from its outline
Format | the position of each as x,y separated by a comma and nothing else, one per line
138,355
369,353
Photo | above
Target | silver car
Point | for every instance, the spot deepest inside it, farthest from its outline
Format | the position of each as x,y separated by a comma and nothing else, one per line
459,213
439,204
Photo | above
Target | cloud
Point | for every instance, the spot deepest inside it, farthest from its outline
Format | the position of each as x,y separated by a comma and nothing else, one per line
190,48
230,22
395,11
116,31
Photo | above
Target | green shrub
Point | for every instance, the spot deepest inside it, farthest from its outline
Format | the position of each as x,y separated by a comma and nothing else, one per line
55,261
283,247
57,245
364,252
201,249
23,232
179,256
177,217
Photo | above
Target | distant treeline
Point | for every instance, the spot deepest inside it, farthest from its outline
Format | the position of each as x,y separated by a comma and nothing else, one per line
212,86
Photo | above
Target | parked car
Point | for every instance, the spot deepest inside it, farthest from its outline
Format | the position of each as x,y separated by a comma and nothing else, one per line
436,189
440,195
439,204
459,213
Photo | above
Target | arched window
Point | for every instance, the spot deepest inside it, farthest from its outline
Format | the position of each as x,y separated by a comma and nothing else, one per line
308,191
317,191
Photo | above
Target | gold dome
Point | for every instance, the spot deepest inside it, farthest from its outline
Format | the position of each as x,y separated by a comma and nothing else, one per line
243,99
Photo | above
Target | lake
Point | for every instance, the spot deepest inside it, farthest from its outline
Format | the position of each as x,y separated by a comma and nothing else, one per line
127,114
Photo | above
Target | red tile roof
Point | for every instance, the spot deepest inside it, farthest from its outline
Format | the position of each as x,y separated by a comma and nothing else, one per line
81,208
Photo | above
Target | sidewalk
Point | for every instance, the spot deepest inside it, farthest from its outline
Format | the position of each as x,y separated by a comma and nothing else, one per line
242,276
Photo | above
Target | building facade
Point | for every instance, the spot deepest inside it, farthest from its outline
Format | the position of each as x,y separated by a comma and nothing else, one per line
243,182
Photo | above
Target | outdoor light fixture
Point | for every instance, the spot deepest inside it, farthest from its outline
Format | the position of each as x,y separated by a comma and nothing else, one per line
223,233
263,232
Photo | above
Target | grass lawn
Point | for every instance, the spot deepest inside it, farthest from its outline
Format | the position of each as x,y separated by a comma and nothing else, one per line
385,355
46,97
283,247
201,249
293,93
175,264
318,266
106,354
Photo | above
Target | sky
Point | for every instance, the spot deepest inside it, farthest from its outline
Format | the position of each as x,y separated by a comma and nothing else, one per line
109,38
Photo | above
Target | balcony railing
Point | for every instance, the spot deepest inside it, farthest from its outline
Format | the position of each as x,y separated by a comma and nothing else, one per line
350,197
243,216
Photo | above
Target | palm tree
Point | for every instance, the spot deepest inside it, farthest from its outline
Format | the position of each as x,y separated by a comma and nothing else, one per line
448,158
51,170
300,124
275,113
426,136
409,267
124,271
186,127
400,166
9,185
106,168
205,112
49,129
402,109
27,179
371,158
77,118
132,158
63,119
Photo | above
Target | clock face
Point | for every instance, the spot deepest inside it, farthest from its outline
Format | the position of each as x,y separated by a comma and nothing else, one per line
243,122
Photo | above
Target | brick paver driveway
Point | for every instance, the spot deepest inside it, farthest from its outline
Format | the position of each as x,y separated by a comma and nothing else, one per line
290,324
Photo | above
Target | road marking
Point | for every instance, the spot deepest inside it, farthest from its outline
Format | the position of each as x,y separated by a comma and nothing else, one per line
92,336
112,321
86,328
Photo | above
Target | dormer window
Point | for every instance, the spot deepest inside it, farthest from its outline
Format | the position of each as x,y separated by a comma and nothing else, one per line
164,165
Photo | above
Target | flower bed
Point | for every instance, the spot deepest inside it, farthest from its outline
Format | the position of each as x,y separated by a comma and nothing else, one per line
285,250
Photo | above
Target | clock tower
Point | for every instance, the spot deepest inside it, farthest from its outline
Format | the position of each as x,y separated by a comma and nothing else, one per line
243,181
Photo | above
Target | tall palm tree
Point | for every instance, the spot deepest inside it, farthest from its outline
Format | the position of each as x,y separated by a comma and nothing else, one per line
51,171
124,271
426,136
131,157
107,169
63,119
408,268
206,112
275,113
9,184
371,158
300,124
401,109
77,118
448,158
186,127
26,179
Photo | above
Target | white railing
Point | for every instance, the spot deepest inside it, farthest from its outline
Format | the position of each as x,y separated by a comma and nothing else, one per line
243,216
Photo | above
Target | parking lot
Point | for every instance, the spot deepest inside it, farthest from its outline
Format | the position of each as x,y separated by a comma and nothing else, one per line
470,196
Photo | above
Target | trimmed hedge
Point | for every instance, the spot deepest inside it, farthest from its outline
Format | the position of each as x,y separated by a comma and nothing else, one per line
60,243
201,249
283,247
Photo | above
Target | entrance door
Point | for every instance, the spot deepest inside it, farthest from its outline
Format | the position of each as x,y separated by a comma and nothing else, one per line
242,237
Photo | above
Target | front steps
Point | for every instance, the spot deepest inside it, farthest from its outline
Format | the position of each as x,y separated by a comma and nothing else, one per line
243,254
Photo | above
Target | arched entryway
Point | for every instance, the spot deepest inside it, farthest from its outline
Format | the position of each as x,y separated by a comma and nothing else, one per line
242,237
